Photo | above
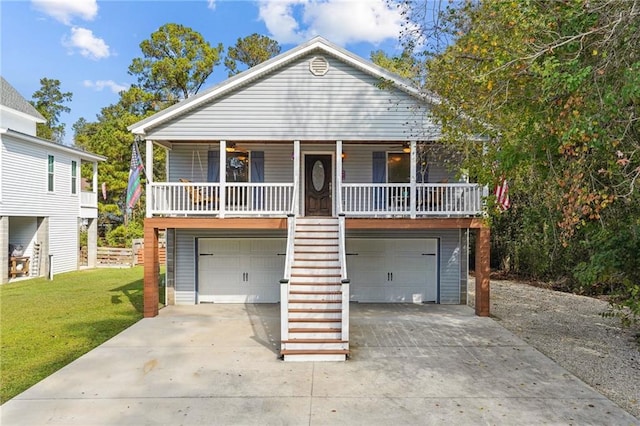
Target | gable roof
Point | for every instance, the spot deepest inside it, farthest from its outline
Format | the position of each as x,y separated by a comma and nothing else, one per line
10,98
315,45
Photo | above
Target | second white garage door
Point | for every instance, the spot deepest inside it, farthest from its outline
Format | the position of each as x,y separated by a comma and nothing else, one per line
390,270
240,270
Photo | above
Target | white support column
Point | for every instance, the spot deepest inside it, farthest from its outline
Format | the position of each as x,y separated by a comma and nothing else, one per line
412,174
222,196
149,175
4,246
296,178
338,196
92,243
94,181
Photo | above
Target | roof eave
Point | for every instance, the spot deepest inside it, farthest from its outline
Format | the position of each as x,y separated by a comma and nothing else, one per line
85,155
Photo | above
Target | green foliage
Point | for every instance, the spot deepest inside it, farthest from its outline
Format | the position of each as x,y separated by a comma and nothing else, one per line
406,65
250,51
121,235
50,101
47,324
554,89
109,137
176,62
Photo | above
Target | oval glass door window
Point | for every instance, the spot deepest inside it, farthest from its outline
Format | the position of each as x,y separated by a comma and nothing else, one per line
317,175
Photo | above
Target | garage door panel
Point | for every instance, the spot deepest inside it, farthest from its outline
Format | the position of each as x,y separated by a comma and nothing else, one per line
240,270
392,270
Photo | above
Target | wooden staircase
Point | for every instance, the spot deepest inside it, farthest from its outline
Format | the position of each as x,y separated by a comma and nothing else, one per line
315,299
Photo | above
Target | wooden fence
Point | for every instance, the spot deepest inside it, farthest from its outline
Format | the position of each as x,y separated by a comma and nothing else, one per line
114,257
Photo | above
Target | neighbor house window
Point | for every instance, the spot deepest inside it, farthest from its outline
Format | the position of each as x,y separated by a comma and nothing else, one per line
50,173
74,177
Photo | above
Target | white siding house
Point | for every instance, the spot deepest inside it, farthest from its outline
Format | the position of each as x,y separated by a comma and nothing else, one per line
305,181
42,200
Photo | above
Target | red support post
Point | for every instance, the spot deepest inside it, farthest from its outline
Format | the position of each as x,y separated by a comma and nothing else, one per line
483,271
151,271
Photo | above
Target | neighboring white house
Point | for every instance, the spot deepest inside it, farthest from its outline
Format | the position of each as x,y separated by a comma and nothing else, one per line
43,204
305,181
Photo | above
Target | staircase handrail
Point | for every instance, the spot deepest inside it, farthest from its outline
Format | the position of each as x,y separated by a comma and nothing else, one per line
341,246
344,278
284,282
291,233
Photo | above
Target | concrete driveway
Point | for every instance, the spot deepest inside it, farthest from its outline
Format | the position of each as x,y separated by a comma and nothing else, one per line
217,365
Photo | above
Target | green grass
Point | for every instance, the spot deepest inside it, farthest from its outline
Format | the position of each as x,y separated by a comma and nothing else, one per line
47,324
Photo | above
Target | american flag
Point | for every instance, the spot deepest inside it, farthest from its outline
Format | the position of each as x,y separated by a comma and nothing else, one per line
502,195
134,188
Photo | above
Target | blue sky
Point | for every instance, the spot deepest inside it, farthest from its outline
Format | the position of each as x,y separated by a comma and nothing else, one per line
88,45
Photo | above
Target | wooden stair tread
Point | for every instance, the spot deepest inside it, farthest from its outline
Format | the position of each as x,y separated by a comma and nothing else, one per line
314,292
326,284
315,330
316,275
316,267
314,301
315,320
315,311
314,352
315,341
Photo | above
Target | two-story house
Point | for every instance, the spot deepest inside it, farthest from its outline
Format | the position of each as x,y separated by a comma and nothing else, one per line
43,203
313,180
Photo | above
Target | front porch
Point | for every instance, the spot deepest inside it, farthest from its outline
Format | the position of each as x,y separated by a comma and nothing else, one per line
382,179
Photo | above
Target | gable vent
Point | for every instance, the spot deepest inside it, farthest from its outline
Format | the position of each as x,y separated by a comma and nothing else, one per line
318,66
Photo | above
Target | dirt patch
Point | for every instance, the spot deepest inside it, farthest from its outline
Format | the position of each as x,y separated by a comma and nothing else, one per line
570,330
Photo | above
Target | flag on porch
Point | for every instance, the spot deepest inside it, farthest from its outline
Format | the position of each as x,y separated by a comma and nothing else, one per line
502,194
134,188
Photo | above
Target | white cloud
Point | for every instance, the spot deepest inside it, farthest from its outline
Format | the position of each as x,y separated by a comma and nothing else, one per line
340,21
65,10
100,85
211,4
89,45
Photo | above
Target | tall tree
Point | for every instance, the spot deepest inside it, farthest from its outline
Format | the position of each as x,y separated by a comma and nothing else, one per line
250,51
407,65
176,62
555,87
50,101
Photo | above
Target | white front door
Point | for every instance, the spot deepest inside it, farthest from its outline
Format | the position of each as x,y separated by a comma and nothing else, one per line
393,270
240,270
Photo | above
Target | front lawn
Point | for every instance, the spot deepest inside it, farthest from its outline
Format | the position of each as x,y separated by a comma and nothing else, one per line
47,324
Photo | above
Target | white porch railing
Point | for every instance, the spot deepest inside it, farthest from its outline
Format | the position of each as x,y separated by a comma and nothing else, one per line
89,199
373,199
204,198
277,199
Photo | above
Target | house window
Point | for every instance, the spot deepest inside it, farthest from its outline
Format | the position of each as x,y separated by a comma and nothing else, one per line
74,177
398,167
238,166
50,169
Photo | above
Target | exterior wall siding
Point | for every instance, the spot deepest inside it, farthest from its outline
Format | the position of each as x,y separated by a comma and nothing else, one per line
190,161
24,193
292,103
450,260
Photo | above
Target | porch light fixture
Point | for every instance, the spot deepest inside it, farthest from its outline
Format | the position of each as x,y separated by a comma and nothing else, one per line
406,148
231,147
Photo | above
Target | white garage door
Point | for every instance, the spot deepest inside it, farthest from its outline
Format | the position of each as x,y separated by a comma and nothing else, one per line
392,270
240,270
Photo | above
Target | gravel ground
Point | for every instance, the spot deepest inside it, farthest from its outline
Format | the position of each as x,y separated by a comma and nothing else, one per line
569,329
